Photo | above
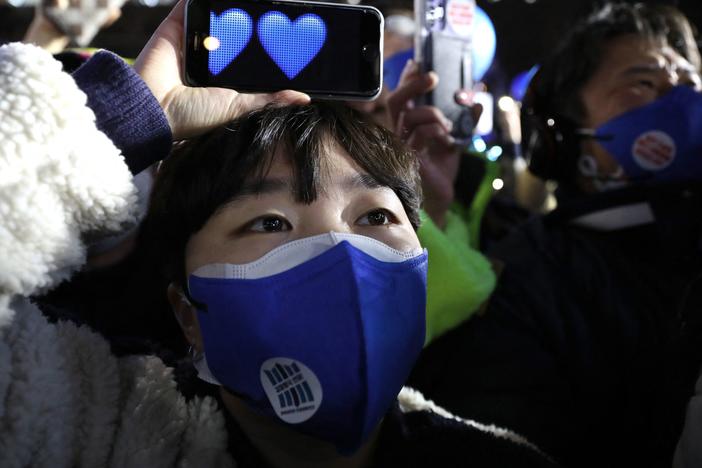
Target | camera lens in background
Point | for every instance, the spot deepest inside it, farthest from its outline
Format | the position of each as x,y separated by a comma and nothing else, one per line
370,52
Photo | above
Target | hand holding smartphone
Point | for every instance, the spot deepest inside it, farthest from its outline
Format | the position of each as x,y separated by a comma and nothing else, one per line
325,50
193,111
443,44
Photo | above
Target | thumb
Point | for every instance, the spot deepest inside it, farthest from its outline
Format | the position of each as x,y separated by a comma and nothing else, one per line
289,97
250,102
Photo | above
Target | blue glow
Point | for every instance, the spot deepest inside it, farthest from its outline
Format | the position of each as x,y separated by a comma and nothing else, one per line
479,144
393,66
520,83
233,29
494,153
291,44
484,43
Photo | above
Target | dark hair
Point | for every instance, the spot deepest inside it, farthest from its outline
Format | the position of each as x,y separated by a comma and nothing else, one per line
562,77
203,174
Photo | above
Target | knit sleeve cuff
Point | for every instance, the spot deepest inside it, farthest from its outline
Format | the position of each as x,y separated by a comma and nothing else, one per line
125,110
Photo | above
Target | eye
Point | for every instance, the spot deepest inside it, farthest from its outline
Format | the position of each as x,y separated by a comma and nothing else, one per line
647,84
377,217
268,224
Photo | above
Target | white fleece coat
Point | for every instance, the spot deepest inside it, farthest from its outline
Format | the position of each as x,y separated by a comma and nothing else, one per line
65,400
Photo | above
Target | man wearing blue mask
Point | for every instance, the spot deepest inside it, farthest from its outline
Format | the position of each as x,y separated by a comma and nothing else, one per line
590,344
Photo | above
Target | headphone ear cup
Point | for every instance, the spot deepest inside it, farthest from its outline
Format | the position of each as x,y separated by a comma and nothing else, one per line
549,141
539,145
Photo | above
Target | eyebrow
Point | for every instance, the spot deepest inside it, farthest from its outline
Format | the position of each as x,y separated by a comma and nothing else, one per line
272,185
639,69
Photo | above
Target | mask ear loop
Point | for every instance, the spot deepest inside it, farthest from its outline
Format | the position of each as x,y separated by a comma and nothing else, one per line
588,133
197,358
587,164
588,167
199,362
193,355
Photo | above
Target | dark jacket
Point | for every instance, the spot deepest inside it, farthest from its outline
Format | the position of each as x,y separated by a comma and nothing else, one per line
414,433
591,343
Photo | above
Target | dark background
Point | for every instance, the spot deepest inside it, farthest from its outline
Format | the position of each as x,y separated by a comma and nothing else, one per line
525,31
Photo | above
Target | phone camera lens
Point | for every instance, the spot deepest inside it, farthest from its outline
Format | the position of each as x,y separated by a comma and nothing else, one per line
370,52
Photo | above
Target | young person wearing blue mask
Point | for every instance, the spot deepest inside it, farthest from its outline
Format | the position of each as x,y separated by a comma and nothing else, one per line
297,277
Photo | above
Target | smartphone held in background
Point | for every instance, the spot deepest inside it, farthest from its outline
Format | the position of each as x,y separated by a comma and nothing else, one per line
443,44
330,51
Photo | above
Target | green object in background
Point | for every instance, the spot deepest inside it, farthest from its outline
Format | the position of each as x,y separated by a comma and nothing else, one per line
474,213
459,279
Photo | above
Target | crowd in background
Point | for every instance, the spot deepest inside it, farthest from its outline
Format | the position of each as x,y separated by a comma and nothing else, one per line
530,298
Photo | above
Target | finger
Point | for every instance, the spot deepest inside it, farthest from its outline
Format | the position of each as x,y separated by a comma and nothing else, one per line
281,98
410,69
241,103
114,15
477,111
463,97
434,134
424,115
177,13
404,94
289,97
160,61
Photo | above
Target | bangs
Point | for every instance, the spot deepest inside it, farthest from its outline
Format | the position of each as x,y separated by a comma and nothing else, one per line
302,139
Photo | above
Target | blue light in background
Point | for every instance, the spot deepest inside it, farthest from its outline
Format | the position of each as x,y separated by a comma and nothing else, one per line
484,44
479,144
494,153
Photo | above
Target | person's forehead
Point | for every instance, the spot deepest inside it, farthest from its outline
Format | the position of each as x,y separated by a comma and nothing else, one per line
630,55
625,51
621,51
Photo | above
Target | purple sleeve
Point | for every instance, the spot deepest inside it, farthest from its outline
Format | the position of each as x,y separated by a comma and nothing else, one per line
125,110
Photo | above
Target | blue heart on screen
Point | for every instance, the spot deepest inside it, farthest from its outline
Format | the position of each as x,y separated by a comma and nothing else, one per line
291,44
233,29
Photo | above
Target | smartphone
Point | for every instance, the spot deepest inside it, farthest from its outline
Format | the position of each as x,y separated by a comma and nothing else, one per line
443,44
326,50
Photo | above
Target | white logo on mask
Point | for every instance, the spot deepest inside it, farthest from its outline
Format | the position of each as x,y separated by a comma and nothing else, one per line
654,150
292,389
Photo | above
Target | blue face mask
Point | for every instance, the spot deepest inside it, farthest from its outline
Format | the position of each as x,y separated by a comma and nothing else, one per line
320,334
660,141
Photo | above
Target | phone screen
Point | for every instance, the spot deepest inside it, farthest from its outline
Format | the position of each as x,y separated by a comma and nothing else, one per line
322,49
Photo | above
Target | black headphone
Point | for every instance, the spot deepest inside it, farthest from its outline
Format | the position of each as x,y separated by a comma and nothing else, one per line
550,142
